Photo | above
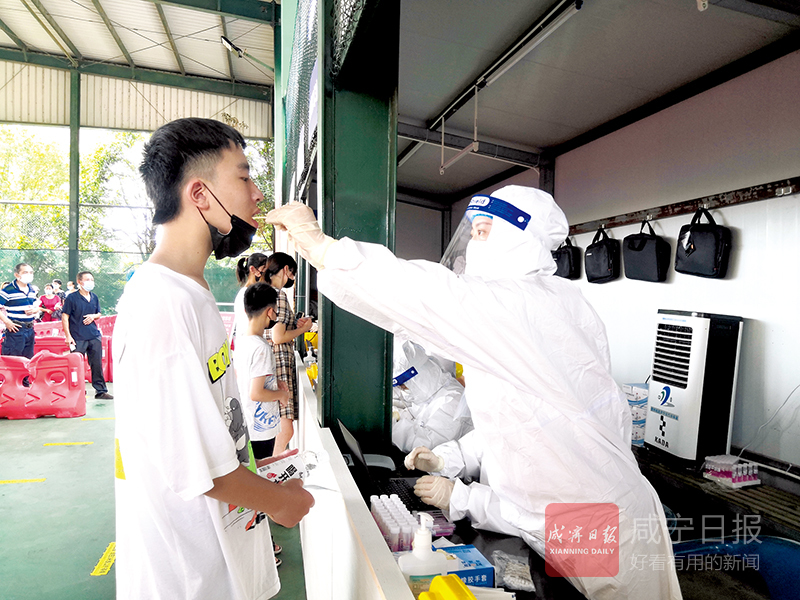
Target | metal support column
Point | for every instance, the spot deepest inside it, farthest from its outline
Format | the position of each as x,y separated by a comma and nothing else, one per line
74,169
356,179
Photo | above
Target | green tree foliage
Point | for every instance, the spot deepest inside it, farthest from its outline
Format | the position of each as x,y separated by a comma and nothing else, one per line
33,177
115,232
261,154
102,174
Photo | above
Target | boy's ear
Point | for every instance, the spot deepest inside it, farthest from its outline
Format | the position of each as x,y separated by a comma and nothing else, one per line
197,193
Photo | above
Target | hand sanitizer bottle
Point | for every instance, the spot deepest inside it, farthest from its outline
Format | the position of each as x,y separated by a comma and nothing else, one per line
422,564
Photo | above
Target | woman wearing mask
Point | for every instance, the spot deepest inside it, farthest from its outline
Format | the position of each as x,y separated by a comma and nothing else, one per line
51,305
280,272
249,269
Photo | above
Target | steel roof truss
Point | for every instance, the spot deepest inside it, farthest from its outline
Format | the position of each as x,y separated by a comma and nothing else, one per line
7,30
260,12
58,43
227,53
54,24
171,39
101,11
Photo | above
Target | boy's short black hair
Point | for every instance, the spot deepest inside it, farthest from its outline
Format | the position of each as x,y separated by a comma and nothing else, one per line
258,297
177,149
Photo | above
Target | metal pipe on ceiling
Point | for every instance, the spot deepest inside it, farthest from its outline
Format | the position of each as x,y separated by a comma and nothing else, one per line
533,36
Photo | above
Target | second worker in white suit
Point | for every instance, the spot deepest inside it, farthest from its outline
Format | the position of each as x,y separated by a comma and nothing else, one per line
551,425
431,404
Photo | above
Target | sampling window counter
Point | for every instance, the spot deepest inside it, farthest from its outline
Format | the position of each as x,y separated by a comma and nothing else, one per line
344,552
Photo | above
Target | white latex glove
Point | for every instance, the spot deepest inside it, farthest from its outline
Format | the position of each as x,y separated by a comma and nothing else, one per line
304,232
423,459
435,491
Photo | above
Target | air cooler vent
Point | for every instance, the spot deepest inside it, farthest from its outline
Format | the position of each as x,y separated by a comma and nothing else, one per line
673,350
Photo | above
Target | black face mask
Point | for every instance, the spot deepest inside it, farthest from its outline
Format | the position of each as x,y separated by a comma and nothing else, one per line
289,283
271,323
233,243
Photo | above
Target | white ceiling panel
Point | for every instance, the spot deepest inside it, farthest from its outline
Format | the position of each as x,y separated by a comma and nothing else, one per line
139,27
25,26
81,24
197,37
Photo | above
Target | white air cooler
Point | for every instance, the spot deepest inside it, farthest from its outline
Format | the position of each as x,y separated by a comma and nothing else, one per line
693,384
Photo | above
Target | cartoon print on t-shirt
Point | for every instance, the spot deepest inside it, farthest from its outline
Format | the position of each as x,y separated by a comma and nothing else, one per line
234,419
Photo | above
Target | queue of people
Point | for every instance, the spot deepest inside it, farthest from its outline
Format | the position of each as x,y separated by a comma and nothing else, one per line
77,314
191,512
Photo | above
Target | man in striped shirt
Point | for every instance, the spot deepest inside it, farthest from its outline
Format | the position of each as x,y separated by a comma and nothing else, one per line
21,309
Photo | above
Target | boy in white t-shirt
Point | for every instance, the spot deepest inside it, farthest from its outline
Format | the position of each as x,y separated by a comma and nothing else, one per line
261,393
190,508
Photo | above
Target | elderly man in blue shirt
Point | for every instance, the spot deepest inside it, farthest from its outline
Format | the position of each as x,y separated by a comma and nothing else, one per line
21,309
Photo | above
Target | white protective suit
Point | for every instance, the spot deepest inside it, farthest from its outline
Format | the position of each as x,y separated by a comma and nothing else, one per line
551,425
431,404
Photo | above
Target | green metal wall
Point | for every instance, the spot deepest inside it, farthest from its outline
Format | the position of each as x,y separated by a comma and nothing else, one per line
356,194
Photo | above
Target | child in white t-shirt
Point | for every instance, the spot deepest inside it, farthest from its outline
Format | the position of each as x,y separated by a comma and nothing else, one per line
259,389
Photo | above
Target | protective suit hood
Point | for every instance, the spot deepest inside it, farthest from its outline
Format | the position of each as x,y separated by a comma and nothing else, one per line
415,369
526,225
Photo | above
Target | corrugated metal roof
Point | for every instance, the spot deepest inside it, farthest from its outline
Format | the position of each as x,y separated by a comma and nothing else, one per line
142,34
34,94
120,104
48,33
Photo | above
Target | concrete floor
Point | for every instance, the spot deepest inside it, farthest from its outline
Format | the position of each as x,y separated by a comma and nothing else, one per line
57,518
57,510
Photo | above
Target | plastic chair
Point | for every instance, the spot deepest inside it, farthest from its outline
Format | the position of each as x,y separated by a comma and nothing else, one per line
57,386
13,370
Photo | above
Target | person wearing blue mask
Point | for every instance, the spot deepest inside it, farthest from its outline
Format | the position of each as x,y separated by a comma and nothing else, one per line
551,427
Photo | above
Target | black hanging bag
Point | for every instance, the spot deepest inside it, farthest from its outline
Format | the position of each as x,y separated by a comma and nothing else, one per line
602,258
568,260
646,255
703,248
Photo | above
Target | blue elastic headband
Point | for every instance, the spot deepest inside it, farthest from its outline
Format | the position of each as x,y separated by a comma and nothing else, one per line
404,376
499,208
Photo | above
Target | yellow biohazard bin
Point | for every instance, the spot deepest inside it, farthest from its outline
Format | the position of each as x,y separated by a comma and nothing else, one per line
447,587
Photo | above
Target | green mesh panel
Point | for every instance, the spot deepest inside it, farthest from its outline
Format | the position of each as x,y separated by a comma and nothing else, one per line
346,14
304,55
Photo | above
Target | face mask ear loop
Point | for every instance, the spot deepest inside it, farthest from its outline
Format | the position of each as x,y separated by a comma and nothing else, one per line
217,199
218,202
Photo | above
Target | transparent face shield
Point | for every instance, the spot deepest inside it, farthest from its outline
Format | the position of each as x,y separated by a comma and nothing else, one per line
483,215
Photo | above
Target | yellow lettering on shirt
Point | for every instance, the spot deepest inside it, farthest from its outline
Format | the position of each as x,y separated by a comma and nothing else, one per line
219,362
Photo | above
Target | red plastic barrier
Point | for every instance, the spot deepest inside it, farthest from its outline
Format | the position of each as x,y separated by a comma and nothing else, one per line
108,365
56,345
57,386
13,369
50,329
106,324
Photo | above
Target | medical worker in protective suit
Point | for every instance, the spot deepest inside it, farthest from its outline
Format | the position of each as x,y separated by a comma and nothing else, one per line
430,404
551,425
